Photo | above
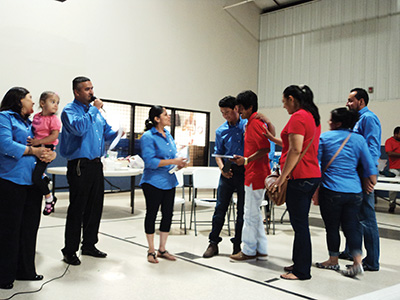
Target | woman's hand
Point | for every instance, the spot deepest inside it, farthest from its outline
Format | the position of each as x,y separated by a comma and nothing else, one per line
268,133
262,117
181,162
276,187
44,154
48,156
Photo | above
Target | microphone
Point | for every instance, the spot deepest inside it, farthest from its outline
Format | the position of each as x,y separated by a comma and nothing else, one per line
94,98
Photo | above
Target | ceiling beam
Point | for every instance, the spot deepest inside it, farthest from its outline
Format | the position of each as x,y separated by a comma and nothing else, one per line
282,6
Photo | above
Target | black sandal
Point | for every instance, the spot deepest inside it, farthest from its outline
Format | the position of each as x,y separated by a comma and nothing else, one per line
153,254
165,254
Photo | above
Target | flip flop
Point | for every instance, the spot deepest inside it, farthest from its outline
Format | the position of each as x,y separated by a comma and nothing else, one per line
165,254
289,276
328,267
152,258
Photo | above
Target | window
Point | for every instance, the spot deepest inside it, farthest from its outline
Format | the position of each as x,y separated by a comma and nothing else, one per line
189,128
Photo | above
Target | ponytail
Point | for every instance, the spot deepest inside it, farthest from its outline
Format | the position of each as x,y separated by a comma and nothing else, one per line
305,97
155,111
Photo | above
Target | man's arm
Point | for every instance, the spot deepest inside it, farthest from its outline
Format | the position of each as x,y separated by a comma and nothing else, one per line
393,154
256,155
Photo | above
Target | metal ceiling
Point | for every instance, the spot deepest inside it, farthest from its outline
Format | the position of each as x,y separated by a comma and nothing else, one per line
266,6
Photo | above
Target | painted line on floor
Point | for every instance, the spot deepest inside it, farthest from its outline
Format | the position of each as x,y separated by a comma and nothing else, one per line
216,269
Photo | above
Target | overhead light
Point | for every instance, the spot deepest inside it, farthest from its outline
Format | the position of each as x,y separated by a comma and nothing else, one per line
237,4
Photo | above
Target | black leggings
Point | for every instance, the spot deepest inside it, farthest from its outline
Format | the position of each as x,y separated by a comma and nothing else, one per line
38,173
154,198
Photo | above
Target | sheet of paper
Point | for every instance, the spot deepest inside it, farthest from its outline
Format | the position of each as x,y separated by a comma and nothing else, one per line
222,156
117,139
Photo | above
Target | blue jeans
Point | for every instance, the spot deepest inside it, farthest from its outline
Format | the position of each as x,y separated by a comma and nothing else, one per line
226,188
298,201
370,231
341,209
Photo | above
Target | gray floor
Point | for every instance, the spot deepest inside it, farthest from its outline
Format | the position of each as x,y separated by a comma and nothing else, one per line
126,274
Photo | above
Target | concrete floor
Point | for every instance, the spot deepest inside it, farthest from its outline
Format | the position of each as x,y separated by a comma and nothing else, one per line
126,274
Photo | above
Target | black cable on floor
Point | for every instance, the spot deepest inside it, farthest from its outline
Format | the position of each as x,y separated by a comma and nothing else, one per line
41,287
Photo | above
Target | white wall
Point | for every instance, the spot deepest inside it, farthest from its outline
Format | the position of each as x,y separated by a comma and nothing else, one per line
333,46
181,53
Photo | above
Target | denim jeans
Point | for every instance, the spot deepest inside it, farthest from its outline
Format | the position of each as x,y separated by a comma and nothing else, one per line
393,194
298,201
370,232
254,238
226,188
341,209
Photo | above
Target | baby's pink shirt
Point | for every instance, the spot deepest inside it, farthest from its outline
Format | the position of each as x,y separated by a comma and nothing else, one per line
44,125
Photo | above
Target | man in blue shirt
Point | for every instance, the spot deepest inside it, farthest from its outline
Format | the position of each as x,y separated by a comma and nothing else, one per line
369,127
82,143
229,140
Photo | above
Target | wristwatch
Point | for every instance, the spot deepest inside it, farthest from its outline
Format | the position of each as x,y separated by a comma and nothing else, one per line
246,161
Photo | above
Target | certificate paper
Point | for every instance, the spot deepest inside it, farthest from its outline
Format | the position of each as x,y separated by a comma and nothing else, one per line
222,156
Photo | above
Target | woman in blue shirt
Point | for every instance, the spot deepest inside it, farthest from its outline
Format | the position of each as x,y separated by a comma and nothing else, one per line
158,184
340,194
20,200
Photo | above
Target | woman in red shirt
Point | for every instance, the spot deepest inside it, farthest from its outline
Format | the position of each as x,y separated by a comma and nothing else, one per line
303,129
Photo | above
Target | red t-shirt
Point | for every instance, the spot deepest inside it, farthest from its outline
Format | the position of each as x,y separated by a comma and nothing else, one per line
257,170
393,145
302,122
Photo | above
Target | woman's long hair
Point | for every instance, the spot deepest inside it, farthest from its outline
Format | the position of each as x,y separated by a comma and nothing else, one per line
305,97
155,111
12,99
347,117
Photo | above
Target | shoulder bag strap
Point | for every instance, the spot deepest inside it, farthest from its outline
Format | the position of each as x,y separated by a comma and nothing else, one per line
304,153
337,152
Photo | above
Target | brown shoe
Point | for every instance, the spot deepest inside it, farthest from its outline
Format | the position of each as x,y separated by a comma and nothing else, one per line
241,257
261,256
211,251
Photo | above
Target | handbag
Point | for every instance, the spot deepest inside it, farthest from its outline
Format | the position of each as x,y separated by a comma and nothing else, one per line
279,197
315,197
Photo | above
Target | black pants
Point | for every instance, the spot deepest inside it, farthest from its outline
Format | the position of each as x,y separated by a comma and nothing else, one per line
20,211
86,198
38,172
154,198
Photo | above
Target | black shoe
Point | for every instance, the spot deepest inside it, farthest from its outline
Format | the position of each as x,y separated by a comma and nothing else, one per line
344,255
211,251
7,286
288,268
34,278
391,210
369,269
71,259
93,251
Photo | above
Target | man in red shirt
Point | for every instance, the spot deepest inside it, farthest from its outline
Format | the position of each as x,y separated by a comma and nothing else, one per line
256,162
392,148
